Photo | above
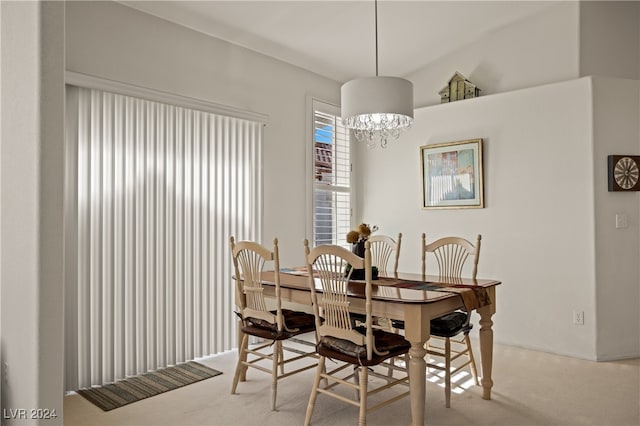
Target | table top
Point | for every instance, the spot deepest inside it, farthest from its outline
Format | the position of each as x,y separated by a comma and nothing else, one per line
400,288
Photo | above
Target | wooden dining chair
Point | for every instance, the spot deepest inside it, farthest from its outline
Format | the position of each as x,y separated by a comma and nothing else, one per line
383,250
360,349
450,333
272,327
385,254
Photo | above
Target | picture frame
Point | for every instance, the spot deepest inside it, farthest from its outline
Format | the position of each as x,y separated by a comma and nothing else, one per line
452,175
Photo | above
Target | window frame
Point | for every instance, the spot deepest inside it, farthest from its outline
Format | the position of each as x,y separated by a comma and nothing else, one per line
315,104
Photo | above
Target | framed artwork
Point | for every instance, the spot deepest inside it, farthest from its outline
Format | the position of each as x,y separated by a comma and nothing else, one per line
623,172
452,175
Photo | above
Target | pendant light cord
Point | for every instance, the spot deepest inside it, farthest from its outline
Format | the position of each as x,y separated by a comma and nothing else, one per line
376,13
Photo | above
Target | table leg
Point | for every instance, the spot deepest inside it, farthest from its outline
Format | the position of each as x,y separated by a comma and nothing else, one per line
486,343
416,331
417,381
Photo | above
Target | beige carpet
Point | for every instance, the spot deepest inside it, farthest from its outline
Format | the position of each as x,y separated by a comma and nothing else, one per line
530,388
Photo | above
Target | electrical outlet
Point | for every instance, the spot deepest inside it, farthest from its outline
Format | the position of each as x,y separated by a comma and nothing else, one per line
578,317
5,372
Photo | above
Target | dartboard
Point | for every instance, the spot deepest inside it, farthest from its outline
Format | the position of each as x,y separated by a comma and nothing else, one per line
624,173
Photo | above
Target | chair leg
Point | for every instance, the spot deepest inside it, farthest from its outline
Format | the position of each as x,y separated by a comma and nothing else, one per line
281,358
240,366
474,370
392,364
447,372
314,391
356,379
364,380
277,351
243,374
325,381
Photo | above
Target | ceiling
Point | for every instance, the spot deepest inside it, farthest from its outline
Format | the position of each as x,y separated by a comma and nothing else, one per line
336,38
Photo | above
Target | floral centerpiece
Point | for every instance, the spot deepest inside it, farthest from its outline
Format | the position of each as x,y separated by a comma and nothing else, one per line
357,238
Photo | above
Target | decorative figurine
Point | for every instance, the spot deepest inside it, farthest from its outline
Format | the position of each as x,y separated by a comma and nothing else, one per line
458,88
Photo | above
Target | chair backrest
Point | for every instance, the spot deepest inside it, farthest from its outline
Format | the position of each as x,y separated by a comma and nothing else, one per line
383,248
451,253
249,260
328,264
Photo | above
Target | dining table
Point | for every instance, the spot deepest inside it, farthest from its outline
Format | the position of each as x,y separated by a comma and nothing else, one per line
414,299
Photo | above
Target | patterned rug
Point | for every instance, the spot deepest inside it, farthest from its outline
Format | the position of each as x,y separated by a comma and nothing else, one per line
134,389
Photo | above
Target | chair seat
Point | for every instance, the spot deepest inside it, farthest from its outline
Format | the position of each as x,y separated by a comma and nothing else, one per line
347,351
450,325
302,322
447,325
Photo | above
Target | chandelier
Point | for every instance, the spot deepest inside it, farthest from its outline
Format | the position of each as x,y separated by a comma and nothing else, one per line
377,108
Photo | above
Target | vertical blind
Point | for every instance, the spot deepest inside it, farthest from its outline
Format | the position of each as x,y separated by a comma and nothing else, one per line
153,193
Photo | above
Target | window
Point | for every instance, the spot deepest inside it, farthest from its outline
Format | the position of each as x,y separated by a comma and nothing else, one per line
156,191
332,185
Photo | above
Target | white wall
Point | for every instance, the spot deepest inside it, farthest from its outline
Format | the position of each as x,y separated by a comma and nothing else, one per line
565,41
113,41
538,224
539,50
606,29
616,131
31,203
